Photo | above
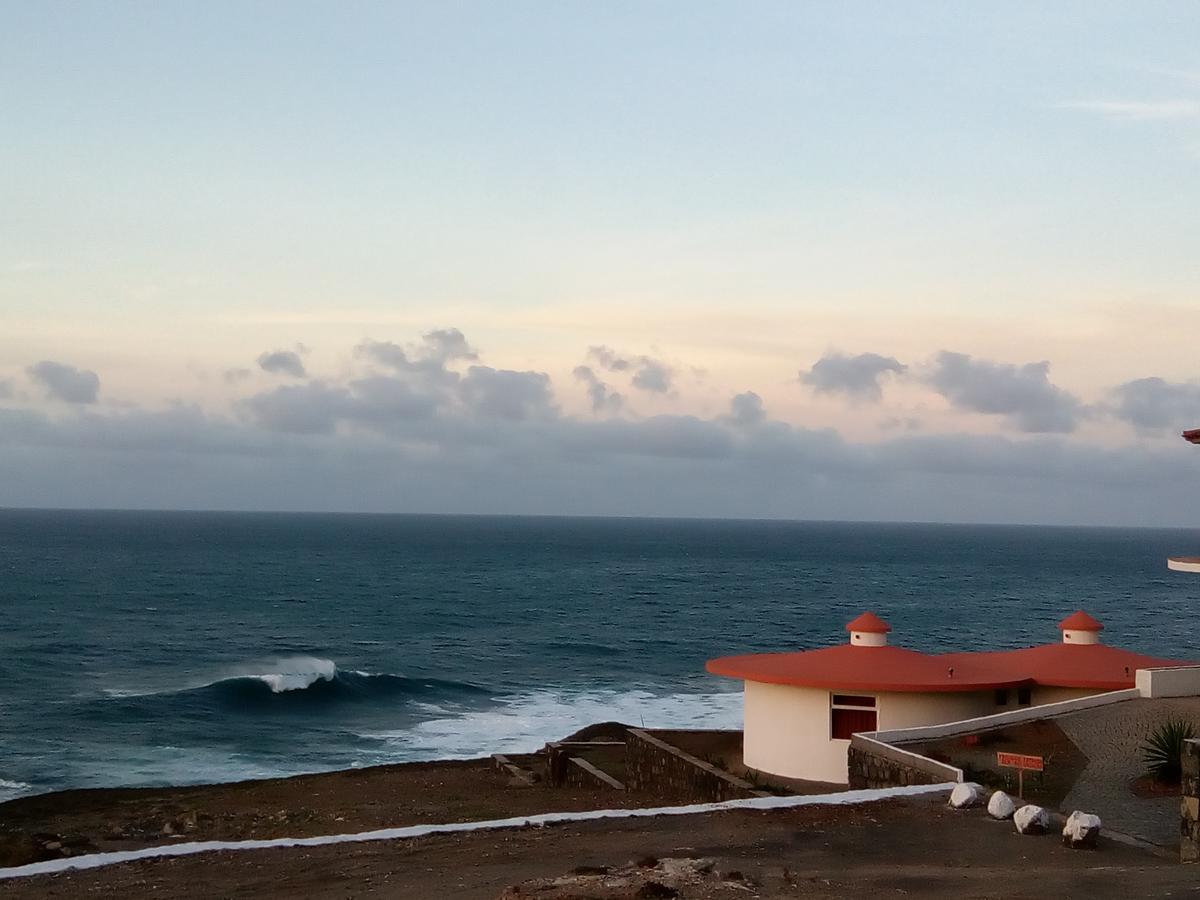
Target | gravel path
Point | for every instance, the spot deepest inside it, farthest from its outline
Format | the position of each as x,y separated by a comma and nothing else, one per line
1111,737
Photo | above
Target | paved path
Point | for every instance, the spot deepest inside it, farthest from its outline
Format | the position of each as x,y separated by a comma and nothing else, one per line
1111,737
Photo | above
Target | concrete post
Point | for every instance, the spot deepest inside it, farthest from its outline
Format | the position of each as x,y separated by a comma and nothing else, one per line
1189,812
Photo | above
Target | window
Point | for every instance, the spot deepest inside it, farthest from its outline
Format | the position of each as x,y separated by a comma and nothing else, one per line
850,714
1024,696
1001,698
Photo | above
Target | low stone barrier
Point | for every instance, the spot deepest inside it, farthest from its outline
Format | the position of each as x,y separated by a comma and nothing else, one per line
582,774
874,764
654,766
563,767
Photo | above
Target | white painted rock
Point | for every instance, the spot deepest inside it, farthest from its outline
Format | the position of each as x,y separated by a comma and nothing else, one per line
1081,831
1031,819
966,795
1000,806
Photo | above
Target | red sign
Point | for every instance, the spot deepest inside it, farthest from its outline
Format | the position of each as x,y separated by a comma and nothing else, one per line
1020,761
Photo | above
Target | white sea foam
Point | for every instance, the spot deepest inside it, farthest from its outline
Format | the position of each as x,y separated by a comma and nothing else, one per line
295,673
12,789
525,722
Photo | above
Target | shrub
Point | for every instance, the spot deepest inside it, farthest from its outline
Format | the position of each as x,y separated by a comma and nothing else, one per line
1163,750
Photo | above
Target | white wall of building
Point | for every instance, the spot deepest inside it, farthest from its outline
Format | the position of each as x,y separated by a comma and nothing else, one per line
1044,695
787,728
905,710
1181,682
787,733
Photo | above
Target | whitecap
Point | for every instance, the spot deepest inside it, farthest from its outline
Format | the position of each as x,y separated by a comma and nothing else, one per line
296,673
524,723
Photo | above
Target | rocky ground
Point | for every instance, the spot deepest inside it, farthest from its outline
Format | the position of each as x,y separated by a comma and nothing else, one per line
70,823
917,847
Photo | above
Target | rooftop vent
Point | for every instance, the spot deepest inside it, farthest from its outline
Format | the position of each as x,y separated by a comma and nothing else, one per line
868,630
1080,628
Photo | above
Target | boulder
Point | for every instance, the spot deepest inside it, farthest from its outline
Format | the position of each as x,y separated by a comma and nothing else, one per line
966,795
1031,819
1081,831
1000,806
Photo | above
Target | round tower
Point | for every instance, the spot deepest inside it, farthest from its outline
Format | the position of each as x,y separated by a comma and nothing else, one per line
1080,628
868,630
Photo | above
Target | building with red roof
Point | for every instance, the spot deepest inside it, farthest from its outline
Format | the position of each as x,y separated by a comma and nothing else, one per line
800,709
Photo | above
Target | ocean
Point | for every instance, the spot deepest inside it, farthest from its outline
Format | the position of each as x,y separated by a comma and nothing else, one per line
151,648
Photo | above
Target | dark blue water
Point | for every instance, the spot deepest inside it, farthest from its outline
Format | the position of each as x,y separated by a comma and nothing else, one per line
151,648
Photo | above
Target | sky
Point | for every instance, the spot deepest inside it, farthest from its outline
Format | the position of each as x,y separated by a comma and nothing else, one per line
921,261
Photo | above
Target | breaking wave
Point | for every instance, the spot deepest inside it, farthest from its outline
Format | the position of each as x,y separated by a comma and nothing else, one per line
307,680
523,723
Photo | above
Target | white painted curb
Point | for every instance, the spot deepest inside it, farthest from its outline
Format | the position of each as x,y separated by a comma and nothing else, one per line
96,860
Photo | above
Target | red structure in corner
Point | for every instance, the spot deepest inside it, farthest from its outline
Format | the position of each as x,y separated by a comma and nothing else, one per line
1187,563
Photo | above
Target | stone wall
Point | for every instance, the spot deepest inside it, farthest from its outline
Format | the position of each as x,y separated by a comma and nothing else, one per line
873,765
563,767
653,766
1189,812
580,773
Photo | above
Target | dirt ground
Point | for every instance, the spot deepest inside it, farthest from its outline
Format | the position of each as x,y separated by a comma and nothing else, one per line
352,800
1064,762
917,847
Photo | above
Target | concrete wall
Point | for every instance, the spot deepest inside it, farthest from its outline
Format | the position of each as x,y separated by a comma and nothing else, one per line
1181,682
999,720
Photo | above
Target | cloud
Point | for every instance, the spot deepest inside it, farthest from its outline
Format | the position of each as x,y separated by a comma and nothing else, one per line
66,382
608,359
409,433
1151,404
652,376
313,408
282,362
858,377
505,394
457,461
448,344
426,360
1138,110
603,400
233,376
1023,394
649,374
377,403
746,410
6,388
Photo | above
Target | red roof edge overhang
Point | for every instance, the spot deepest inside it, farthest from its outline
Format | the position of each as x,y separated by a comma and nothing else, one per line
944,686
1192,435
899,670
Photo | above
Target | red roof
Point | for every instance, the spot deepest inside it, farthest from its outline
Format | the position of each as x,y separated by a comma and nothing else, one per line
1192,435
852,667
1079,621
869,623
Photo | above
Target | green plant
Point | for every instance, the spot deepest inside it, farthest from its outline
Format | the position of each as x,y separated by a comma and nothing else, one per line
1163,750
